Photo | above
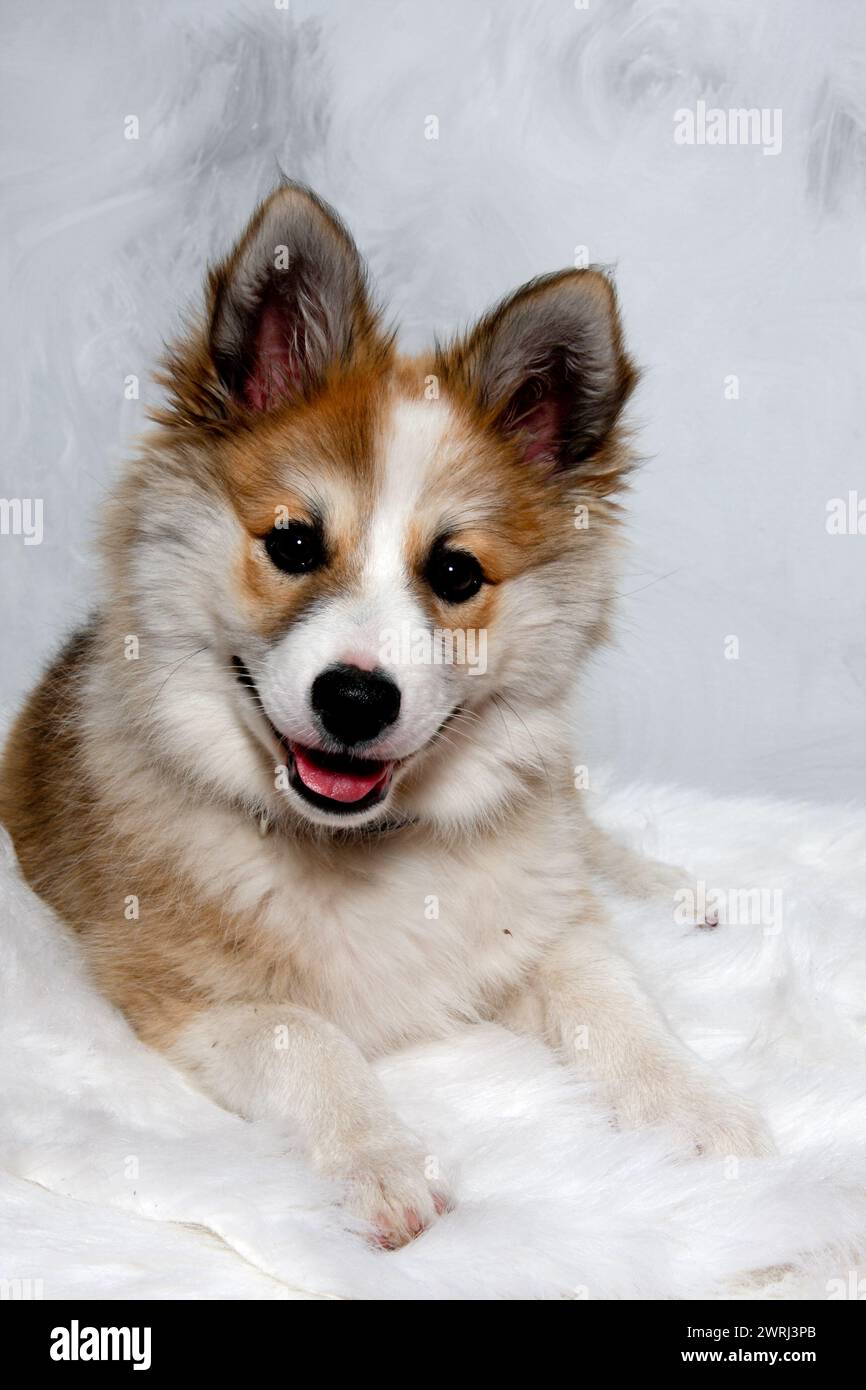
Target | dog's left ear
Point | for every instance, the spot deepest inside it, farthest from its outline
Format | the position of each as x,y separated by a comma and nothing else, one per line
548,368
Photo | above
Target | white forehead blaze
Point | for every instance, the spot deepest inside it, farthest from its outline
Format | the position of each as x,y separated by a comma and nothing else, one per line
418,436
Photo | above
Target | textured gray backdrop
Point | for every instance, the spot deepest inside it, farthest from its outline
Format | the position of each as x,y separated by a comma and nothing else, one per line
555,132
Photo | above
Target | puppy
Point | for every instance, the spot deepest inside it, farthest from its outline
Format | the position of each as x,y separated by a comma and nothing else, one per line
295,818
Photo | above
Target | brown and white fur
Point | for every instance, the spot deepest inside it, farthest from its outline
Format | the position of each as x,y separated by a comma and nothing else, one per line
268,946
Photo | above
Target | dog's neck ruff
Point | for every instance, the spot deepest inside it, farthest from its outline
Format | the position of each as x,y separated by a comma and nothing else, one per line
266,823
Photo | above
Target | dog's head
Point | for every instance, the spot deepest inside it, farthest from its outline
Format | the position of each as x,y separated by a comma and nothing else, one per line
362,585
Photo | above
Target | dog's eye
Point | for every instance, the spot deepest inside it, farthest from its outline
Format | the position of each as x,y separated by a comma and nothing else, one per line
454,575
296,548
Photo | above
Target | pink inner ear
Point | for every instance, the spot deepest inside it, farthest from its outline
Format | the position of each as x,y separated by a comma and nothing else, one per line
541,428
276,372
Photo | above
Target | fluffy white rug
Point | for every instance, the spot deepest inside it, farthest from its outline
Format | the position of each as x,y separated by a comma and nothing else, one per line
120,1181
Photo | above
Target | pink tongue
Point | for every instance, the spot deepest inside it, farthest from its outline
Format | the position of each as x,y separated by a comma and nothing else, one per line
339,786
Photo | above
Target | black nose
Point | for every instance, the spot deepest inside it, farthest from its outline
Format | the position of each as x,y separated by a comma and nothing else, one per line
354,705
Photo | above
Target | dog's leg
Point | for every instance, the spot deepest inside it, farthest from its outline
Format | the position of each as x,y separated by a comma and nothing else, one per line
591,1008
288,1066
637,876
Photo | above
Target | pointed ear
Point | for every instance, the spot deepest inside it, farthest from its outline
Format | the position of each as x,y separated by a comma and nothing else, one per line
548,368
289,303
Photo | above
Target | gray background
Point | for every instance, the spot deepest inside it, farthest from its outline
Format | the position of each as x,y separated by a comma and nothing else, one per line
555,131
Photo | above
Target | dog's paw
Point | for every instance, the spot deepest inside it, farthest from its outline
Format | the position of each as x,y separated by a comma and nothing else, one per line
724,1134
705,1122
390,1189
681,890
721,1125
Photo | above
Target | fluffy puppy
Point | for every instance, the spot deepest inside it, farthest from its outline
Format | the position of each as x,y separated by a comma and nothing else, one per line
304,787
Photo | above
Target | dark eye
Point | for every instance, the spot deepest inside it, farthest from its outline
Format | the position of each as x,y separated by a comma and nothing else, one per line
454,575
296,548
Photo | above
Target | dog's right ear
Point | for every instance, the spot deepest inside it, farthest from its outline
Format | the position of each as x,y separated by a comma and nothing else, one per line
289,302
286,306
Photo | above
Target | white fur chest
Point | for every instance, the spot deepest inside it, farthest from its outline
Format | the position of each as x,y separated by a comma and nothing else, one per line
399,938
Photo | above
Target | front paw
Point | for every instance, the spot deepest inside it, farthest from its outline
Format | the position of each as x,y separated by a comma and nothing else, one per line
689,901
725,1130
705,1122
389,1187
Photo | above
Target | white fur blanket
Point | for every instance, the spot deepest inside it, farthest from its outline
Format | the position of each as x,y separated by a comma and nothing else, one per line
120,1181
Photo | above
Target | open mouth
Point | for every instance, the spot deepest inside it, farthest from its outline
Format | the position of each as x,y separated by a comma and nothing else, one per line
337,782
